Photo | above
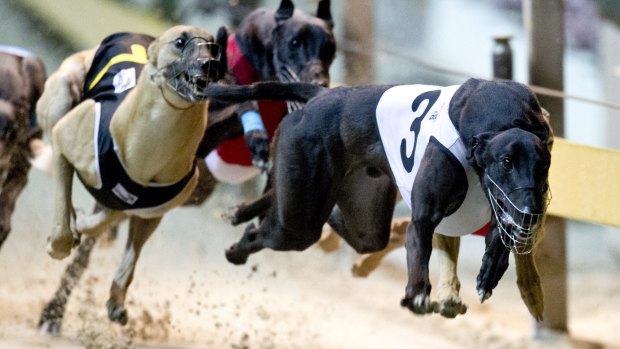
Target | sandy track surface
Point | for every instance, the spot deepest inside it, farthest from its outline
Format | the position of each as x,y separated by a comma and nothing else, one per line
185,294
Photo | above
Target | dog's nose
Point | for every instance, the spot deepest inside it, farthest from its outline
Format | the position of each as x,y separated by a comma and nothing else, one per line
315,73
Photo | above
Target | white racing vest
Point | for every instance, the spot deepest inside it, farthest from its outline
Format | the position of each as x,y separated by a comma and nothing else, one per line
408,117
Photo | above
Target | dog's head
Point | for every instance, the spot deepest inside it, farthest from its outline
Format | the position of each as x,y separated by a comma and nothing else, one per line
303,45
514,168
480,106
186,59
290,45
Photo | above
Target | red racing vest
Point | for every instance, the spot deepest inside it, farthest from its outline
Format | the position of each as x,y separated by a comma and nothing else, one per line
235,151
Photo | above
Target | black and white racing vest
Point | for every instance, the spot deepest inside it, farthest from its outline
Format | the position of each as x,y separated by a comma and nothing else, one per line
114,72
409,117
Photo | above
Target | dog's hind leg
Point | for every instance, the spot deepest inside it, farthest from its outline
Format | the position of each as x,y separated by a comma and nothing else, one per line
63,89
330,240
367,263
140,230
303,196
53,312
365,206
447,249
51,317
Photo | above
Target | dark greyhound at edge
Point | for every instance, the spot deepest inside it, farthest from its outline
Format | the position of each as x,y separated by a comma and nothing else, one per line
332,153
22,76
283,44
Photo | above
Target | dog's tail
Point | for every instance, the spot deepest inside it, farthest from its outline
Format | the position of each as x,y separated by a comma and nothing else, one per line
286,91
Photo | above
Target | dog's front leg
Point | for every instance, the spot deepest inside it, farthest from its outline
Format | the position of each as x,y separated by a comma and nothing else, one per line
494,263
16,179
140,230
419,244
63,237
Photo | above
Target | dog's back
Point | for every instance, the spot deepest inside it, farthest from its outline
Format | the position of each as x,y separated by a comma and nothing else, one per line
22,76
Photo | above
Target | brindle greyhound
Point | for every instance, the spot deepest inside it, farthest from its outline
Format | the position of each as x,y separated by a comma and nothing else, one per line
22,76
286,45
481,152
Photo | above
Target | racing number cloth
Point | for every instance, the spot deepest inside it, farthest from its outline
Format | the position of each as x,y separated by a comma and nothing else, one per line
409,117
114,72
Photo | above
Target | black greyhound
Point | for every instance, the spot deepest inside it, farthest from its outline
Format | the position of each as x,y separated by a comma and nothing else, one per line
282,44
335,151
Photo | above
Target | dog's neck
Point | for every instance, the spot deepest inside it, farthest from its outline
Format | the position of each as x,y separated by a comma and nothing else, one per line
156,135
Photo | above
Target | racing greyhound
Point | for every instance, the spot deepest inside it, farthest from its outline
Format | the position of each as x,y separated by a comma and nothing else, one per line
283,44
463,157
21,84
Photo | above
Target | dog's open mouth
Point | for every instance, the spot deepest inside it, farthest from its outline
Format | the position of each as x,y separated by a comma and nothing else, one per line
518,229
198,65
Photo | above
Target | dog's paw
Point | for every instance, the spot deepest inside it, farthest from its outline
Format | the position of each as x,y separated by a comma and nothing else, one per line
420,304
51,318
451,307
329,241
117,313
235,256
59,247
484,295
230,215
365,265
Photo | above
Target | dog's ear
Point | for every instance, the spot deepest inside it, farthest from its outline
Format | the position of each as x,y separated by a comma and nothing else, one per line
547,116
285,11
221,38
324,12
477,149
153,51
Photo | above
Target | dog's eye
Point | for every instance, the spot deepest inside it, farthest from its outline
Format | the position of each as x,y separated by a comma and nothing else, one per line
295,43
179,43
507,164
